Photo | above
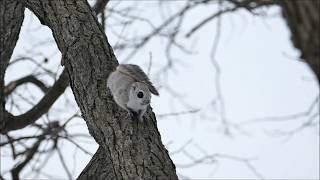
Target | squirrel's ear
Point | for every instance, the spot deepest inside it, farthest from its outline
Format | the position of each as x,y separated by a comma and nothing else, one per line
153,90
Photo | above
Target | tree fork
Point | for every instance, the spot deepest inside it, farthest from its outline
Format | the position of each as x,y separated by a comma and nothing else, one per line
135,149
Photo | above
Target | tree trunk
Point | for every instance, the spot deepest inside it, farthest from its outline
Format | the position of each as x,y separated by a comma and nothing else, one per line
12,14
302,17
128,149
100,167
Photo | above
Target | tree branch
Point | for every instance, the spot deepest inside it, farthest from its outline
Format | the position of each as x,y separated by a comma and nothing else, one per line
135,149
99,6
249,5
27,79
17,122
29,155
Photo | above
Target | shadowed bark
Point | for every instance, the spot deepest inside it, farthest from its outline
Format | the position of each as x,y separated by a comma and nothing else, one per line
11,13
135,149
302,17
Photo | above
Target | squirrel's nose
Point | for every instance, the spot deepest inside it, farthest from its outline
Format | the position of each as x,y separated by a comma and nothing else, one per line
146,101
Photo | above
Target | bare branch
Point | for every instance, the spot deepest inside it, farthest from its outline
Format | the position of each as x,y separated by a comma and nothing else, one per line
99,6
238,4
23,120
12,140
217,68
183,147
189,5
178,113
65,167
78,146
27,79
212,159
29,155
289,117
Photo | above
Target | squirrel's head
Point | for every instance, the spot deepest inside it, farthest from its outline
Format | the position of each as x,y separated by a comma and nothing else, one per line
139,96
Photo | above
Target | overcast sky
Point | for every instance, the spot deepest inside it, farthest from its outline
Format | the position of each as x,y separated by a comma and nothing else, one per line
260,78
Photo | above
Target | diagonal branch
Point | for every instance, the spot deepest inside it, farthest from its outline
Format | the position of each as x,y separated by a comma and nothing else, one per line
27,79
29,155
17,122
64,164
52,129
249,5
99,6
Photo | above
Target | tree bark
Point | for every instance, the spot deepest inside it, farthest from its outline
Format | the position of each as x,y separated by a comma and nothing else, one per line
100,167
12,14
302,17
132,150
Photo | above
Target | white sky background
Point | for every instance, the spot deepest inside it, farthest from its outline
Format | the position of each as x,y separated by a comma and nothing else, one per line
260,78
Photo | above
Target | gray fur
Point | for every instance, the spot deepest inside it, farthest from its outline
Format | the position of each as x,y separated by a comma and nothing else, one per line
125,83
137,73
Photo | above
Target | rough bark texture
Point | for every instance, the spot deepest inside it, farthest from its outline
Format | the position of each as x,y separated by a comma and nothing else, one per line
12,15
302,17
11,18
134,149
96,169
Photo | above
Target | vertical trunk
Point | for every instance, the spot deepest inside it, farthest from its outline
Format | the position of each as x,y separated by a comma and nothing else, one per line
130,149
302,17
11,13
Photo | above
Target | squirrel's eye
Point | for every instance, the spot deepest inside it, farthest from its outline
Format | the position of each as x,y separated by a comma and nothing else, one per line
140,94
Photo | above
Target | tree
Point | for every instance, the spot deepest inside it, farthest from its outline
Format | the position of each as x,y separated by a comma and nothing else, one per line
131,150
127,148
303,20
